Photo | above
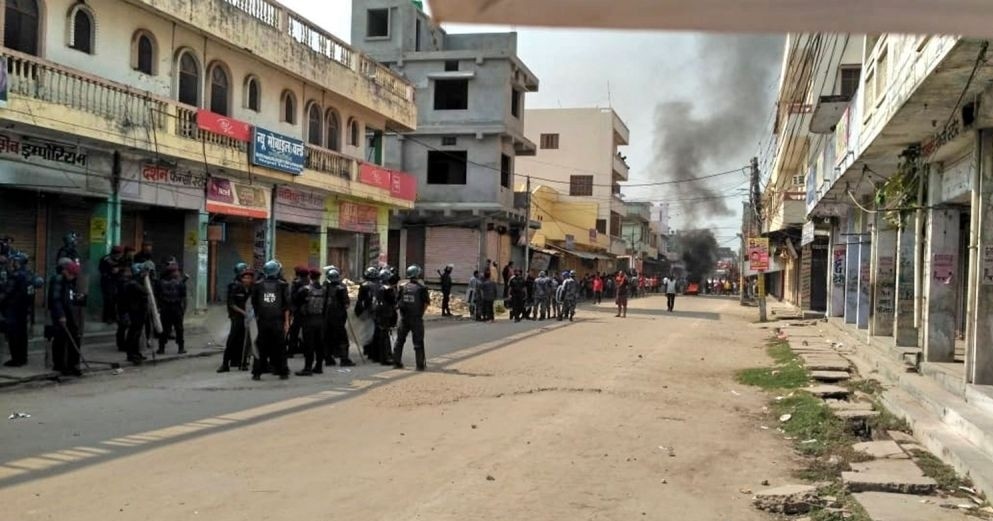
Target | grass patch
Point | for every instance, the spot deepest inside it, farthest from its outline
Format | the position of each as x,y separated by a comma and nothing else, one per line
887,421
866,385
788,372
853,511
813,422
935,469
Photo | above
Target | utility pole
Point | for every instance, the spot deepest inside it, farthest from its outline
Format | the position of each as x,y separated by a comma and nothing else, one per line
527,229
756,230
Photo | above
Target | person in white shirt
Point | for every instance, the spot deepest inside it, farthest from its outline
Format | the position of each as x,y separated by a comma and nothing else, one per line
669,285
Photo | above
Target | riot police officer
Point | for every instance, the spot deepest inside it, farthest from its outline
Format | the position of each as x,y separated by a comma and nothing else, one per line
414,299
311,303
271,302
68,249
386,316
17,304
336,337
568,295
518,293
542,294
239,291
301,279
136,300
172,307
365,308
62,299
110,269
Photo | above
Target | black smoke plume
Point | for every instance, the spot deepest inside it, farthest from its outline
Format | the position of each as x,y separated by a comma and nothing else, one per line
699,249
720,128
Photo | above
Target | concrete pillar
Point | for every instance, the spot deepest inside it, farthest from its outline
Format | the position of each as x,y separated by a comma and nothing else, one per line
262,244
383,231
883,275
904,329
864,286
195,258
836,273
852,240
979,340
100,238
939,281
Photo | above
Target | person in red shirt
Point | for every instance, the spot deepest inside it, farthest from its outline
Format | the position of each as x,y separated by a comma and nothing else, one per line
597,288
623,287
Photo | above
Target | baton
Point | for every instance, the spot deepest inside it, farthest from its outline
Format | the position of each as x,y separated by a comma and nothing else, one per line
357,346
75,346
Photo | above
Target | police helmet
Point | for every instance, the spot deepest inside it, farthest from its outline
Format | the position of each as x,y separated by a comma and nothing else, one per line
138,268
240,268
413,271
542,273
572,274
20,258
385,275
371,273
565,274
148,266
271,269
333,275
71,238
38,282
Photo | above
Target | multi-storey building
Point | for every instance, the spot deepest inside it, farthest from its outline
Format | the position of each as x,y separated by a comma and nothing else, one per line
640,235
470,105
578,151
219,131
567,239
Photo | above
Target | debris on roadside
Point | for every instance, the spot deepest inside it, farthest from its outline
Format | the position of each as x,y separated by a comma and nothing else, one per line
18,416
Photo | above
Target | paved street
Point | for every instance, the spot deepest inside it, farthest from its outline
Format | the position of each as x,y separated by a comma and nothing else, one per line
601,419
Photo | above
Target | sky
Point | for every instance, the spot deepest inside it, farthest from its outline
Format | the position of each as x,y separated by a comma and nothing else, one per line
641,75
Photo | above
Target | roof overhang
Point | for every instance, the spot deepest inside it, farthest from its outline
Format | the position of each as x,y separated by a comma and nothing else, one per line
965,17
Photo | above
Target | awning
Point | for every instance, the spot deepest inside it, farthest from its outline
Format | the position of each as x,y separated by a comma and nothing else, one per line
584,254
545,251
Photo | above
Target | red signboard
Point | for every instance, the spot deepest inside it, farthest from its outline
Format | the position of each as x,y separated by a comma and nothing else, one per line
224,125
231,198
400,184
358,217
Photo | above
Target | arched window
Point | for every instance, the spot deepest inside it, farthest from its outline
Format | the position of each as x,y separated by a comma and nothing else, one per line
289,104
220,90
353,132
20,27
253,94
333,133
143,53
189,79
315,125
81,29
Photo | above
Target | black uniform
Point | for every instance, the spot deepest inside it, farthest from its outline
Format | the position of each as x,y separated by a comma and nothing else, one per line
109,268
293,337
61,302
386,320
310,302
518,293
16,309
414,298
67,251
136,301
123,317
446,292
271,301
238,337
336,337
172,307
365,303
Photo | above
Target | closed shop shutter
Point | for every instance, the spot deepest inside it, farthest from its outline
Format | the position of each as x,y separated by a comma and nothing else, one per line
292,249
393,248
129,229
458,246
18,219
69,214
165,229
415,245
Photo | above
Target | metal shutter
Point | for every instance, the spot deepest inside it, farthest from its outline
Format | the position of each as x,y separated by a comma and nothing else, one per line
458,246
19,215
292,249
165,229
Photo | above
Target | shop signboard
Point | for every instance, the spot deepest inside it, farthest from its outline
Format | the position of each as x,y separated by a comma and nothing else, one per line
403,186
161,184
223,125
374,175
356,217
758,254
299,206
231,198
808,234
53,166
400,184
278,152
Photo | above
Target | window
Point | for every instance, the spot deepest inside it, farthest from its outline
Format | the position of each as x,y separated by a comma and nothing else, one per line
143,56
189,79
449,141
515,103
799,180
451,65
447,168
601,226
615,224
81,30
253,94
850,77
451,94
353,132
220,90
20,25
882,76
870,92
550,141
417,35
581,185
333,134
378,23
315,125
289,104
506,170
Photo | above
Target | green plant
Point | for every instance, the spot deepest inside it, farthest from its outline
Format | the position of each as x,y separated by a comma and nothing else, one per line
935,469
788,373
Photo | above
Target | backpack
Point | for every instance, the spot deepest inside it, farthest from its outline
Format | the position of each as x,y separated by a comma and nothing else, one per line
314,305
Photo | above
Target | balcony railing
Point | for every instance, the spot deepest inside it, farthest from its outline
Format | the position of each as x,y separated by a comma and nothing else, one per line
132,108
261,10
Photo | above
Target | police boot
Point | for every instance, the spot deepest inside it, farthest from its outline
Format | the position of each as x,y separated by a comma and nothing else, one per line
397,357
182,349
419,357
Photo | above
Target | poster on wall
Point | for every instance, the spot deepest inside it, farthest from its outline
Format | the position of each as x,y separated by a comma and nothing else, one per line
758,254
942,267
987,265
357,217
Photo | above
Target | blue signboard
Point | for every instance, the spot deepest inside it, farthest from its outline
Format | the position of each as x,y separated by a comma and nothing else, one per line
277,151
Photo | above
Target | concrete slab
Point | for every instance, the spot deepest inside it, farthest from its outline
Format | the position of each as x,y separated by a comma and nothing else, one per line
881,449
897,476
842,405
901,437
827,365
830,376
788,499
827,391
882,506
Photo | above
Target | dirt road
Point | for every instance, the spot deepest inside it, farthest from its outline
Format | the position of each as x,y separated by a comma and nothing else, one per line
607,418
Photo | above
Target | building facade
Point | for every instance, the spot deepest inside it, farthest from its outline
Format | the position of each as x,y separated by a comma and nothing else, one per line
578,152
470,130
219,131
567,238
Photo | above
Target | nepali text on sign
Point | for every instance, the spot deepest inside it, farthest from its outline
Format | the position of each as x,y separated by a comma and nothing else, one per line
278,152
